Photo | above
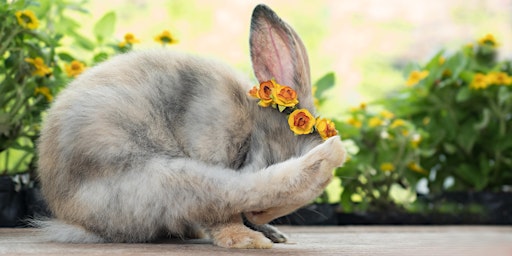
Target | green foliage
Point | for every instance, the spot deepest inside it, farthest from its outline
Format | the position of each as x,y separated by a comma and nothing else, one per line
383,165
34,66
465,104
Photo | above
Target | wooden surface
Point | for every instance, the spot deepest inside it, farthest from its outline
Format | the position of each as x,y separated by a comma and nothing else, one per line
331,240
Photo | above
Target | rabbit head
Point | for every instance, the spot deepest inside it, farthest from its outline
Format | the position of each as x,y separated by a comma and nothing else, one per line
278,54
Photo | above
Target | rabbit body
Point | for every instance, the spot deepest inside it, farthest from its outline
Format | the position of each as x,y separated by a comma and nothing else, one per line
158,142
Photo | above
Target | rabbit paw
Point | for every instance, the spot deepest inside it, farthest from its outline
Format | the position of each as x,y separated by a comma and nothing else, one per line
272,233
240,236
269,231
326,156
337,153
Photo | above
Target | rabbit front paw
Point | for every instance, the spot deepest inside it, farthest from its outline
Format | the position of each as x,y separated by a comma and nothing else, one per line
336,151
326,156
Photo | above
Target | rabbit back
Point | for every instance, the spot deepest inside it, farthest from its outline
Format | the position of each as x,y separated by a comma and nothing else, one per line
136,105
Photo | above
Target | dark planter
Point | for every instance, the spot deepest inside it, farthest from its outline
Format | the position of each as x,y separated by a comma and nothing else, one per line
493,209
19,205
314,214
12,203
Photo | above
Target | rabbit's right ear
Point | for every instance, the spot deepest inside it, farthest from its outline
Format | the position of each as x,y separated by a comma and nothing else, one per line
278,53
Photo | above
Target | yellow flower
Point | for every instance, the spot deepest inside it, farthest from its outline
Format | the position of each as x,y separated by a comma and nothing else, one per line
416,168
45,92
361,106
27,19
500,78
415,140
480,81
325,128
374,122
441,60
387,114
284,96
166,38
426,120
488,39
397,123
40,68
75,68
301,121
354,122
129,39
415,77
387,167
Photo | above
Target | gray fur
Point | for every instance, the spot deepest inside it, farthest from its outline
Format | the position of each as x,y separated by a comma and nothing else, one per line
160,142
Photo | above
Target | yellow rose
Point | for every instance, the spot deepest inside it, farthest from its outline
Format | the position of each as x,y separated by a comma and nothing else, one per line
265,93
301,121
325,128
284,96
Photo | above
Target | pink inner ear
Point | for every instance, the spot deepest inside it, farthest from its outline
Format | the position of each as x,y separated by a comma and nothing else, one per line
271,55
278,61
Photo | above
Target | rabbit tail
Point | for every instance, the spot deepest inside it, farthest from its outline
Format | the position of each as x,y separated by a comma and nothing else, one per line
60,231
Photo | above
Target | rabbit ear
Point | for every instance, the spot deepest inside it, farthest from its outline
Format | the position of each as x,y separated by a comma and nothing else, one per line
278,52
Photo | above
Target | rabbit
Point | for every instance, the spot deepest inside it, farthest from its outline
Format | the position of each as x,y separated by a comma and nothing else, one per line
158,143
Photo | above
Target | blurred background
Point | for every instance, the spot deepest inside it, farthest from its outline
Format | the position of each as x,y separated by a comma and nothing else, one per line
366,42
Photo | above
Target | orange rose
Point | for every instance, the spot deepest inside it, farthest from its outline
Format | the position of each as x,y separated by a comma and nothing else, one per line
254,92
301,121
265,93
284,96
325,128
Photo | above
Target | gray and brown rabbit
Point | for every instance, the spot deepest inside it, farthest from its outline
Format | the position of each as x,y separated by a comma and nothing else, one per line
160,143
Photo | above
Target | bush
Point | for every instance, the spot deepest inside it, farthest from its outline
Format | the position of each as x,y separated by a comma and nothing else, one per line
464,101
384,160
35,65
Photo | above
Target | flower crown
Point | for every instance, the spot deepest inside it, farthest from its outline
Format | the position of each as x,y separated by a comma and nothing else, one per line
284,99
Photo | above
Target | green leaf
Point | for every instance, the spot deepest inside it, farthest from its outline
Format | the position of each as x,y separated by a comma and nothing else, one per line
449,148
466,138
504,95
345,199
472,175
66,57
83,42
324,83
102,56
486,117
104,28
463,94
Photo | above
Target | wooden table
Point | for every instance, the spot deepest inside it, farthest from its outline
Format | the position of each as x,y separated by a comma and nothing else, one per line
328,240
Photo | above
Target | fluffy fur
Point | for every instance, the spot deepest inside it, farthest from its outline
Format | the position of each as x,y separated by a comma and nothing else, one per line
158,143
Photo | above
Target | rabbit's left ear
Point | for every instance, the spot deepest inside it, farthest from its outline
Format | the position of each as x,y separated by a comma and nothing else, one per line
278,52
